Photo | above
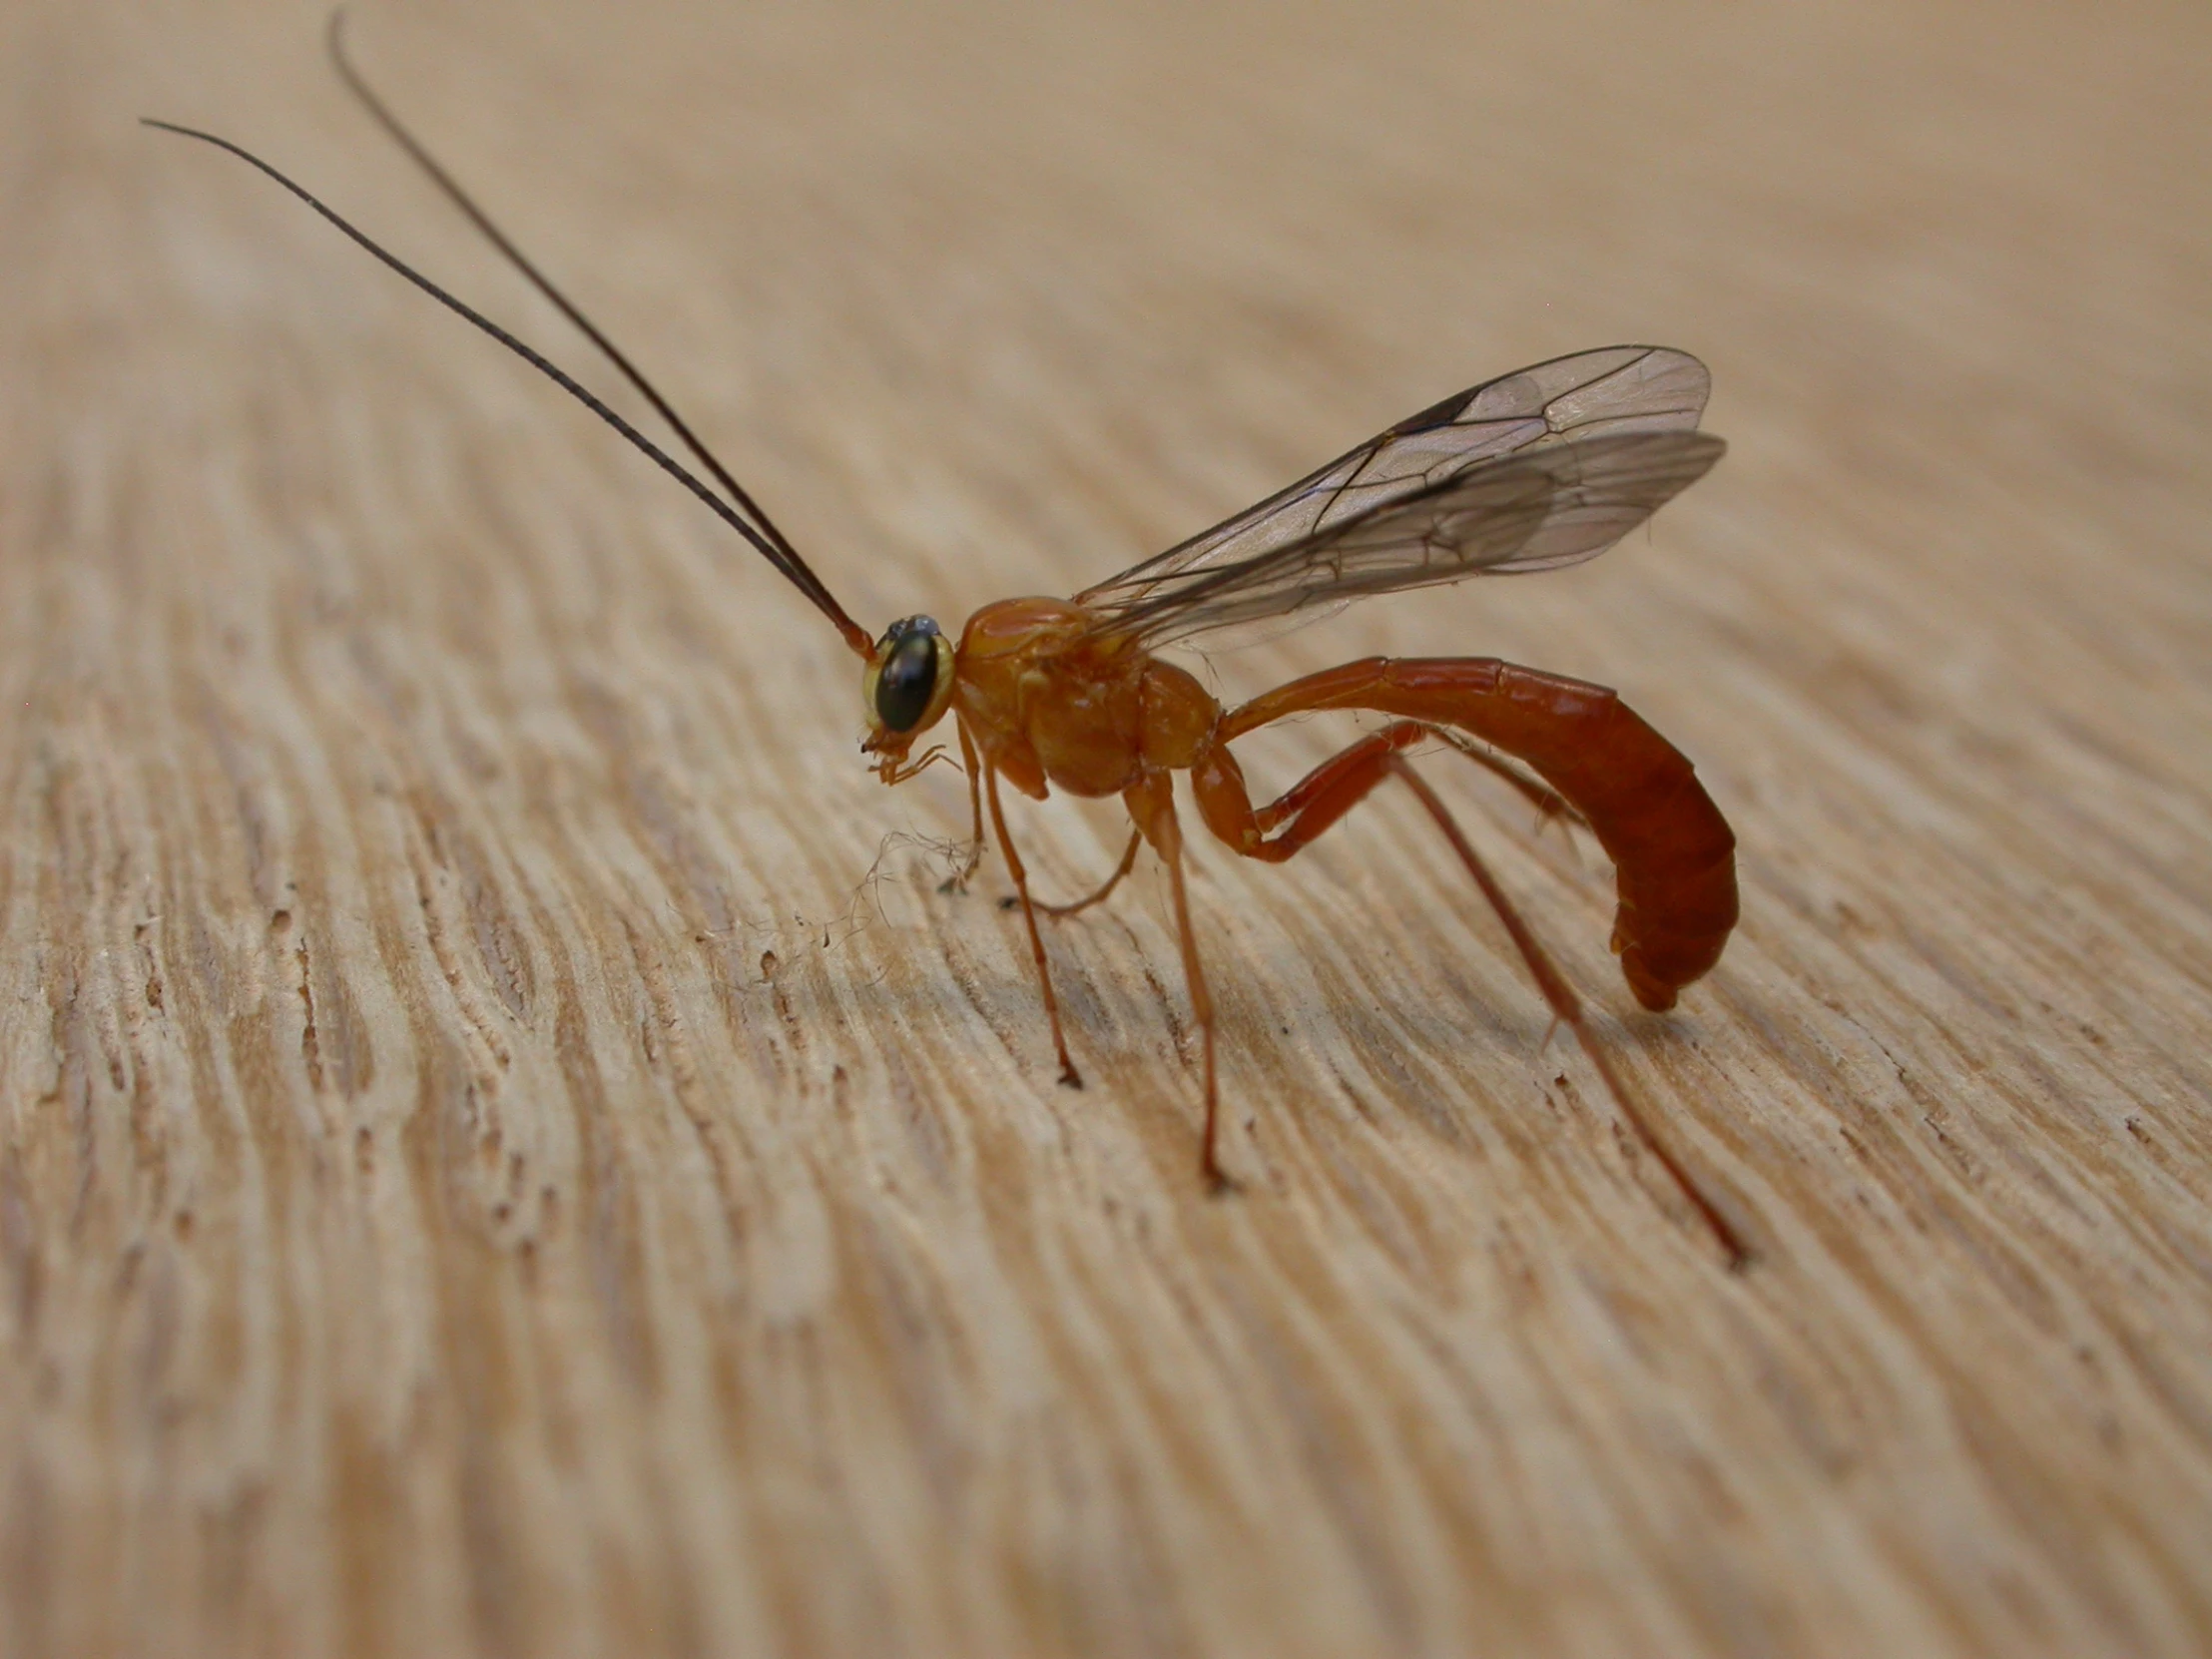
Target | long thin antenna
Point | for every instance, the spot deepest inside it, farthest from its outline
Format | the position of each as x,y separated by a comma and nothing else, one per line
789,563
357,84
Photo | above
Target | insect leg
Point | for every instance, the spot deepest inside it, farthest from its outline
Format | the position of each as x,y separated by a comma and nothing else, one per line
1301,812
1566,1008
958,882
1151,801
1550,805
1549,802
1068,1074
1325,794
1128,862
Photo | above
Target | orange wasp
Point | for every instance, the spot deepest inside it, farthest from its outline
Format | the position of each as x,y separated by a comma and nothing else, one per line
1535,470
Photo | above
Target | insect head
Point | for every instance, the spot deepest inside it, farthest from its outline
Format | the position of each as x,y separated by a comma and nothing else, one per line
908,680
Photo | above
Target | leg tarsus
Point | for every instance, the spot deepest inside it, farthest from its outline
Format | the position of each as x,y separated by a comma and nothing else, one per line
1737,1254
1128,862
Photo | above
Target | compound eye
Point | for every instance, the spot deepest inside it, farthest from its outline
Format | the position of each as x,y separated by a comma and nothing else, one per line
908,682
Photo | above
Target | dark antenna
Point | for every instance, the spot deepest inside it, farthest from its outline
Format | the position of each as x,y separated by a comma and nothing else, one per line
358,85
775,552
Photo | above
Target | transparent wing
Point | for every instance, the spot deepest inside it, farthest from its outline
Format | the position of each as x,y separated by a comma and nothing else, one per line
1537,509
1616,389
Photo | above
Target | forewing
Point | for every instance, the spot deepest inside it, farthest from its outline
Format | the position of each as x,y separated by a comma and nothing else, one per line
1616,389
1539,508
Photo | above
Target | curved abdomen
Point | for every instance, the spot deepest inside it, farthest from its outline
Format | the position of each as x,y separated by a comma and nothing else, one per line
1673,853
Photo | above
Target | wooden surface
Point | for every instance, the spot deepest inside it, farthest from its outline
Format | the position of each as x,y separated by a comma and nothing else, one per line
502,1146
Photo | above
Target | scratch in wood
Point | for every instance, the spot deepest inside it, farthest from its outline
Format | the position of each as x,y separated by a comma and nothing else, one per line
18,1247
673,1045
310,1049
434,936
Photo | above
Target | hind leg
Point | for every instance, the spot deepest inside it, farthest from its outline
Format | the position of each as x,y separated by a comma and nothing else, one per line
1295,819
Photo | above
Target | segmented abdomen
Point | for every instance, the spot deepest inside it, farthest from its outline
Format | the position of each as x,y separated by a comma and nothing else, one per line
1673,855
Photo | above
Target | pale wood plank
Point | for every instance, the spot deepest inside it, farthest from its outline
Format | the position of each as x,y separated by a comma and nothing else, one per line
482,1171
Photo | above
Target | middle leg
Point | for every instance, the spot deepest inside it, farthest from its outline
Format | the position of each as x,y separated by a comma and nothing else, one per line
1128,862
1151,801
1068,1074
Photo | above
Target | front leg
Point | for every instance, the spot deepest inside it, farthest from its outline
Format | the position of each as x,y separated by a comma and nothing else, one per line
958,882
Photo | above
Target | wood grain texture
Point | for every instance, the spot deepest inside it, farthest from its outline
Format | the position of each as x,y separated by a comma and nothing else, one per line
502,1146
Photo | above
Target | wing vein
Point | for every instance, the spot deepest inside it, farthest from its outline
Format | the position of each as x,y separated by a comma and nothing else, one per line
1537,469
